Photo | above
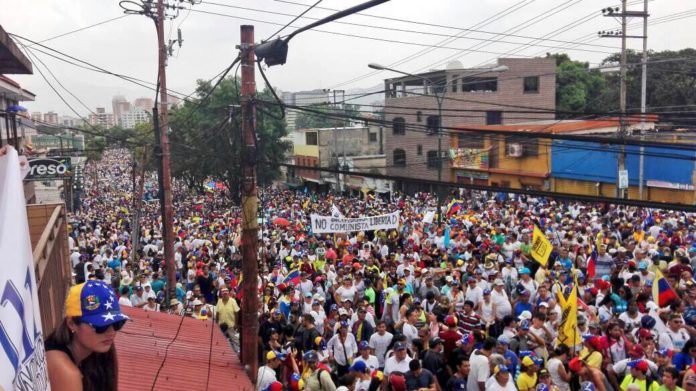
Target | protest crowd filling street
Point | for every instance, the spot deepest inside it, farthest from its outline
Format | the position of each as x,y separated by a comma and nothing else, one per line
500,292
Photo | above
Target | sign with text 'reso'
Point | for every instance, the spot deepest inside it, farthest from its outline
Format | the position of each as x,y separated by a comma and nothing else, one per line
48,168
328,224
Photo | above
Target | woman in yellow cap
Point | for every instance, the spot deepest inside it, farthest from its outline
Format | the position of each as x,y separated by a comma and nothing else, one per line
80,353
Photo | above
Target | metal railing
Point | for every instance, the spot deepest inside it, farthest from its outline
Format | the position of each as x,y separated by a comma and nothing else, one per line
52,267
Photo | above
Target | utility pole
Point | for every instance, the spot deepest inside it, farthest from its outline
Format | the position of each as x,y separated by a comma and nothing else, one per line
161,123
335,137
250,304
643,98
168,217
622,131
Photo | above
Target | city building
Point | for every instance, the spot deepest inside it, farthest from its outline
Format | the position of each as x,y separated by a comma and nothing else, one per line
58,142
135,116
36,116
15,125
303,98
71,122
51,118
144,103
101,118
481,95
120,106
349,148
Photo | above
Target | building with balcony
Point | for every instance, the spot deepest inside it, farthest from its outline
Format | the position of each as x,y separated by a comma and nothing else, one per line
135,116
475,96
51,118
101,118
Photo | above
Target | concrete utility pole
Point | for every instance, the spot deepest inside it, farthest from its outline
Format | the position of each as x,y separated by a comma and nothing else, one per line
643,98
250,303
168,217
623,125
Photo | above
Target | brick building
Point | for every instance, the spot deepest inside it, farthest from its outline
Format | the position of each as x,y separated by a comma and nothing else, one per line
474,96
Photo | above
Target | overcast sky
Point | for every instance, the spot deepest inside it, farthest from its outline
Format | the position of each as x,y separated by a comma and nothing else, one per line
316,59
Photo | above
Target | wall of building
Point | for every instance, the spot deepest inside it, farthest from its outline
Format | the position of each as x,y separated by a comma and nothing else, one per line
509,92
665,178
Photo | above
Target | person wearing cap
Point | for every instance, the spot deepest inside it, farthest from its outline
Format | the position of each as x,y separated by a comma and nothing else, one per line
501,379
434,360
511,359
589,374
527,379
226,311
138,298
342,348
365,356
362,376
528,283
80,353
267,373
501,301
398,362
419,378
639,370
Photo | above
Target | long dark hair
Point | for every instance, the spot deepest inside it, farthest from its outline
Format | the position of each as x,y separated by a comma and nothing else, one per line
99,370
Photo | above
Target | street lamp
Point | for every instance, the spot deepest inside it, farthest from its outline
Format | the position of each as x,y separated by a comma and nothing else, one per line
439,97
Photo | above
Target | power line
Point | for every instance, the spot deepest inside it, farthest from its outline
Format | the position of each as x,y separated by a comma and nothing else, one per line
455,131
81,29
497,16
427,33
535,193
294,19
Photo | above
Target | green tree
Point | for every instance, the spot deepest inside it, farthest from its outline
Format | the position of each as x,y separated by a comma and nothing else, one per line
671,81
579,89
206,141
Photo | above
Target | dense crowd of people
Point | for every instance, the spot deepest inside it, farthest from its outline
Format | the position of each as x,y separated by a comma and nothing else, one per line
456,303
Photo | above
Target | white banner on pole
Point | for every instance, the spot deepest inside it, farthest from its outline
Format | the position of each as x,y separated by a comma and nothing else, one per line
328,224
22,354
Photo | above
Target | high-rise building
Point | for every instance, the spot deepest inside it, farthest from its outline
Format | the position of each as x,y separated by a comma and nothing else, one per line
134,117
101,118
51,118
37,116
120,105
145,104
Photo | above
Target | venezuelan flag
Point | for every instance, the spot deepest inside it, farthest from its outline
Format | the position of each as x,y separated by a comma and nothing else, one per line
454,206
293,277
663,294
592,263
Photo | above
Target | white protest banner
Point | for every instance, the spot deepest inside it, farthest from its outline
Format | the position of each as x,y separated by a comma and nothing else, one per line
22,354
328,224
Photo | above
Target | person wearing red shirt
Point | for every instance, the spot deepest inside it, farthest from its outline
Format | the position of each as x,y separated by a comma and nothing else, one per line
451,336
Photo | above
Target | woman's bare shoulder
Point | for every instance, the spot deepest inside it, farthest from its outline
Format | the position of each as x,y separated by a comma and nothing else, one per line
62,371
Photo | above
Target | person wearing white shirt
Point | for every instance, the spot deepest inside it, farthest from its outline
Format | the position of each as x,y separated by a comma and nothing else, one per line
473,293
342,348
380,341
399,361
501,380
675,336
267,373
480,367
370,360
500,300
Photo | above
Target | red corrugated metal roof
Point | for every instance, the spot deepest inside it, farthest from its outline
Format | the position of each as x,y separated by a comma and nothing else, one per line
141,347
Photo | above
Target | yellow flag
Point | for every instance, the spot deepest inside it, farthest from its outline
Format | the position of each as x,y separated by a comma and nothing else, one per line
568,328
306,204
541,247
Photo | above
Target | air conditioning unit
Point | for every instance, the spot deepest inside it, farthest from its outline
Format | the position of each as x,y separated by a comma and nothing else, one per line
515,150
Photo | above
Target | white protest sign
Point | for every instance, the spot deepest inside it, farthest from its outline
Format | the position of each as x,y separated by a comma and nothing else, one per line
22,354
328,224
